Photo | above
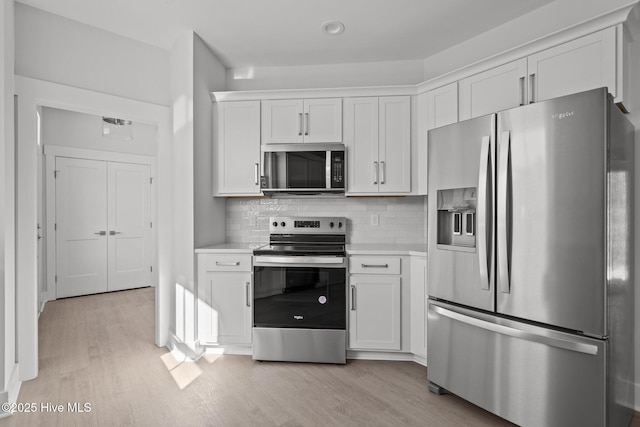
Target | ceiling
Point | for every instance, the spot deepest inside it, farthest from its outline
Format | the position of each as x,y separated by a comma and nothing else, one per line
246,33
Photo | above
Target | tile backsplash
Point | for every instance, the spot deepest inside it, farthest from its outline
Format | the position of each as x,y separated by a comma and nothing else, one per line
400,219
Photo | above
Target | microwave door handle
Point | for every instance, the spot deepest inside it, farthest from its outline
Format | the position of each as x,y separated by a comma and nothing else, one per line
327,175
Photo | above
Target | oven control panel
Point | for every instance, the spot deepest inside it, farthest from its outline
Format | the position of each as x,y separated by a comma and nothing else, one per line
307,225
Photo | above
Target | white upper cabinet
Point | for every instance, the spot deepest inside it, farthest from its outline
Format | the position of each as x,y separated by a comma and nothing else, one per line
237,148
582,64
361,141
296,120
394,144
377,134
442,106
589,62
494,90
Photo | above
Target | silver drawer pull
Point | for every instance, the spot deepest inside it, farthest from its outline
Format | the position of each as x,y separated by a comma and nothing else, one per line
227,264
375,265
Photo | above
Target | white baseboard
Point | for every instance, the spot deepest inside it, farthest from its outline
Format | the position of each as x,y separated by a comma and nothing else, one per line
637,397
240,350
10,395
380,355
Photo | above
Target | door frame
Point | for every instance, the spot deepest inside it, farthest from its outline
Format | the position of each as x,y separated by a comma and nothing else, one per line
33,94
51,153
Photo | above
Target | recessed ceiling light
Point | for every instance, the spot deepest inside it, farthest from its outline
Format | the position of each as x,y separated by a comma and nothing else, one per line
333,28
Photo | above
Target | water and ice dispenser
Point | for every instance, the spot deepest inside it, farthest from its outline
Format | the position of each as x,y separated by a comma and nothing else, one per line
457,218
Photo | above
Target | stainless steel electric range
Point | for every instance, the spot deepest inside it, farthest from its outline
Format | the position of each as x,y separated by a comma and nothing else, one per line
300,292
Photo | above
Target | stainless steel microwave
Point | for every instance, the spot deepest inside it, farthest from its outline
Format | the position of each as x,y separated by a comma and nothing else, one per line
303,169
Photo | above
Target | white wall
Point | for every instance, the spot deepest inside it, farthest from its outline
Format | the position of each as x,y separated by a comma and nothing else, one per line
209,75
198,218
183,317
326,76
634,116
73,129
8,369
60,50
537,24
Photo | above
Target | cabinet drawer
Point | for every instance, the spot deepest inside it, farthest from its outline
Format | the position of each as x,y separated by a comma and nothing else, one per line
220,262
374,265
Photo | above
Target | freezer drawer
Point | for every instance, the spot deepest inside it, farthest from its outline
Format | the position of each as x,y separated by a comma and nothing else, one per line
529,375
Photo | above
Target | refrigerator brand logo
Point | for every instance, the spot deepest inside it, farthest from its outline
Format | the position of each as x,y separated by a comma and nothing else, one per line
560,116
298,317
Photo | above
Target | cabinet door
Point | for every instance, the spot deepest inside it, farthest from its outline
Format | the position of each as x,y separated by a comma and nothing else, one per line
394,144
361,141
582,64
494,90
419,306
224,307
237,153
282,121
442,106
323,120
374,312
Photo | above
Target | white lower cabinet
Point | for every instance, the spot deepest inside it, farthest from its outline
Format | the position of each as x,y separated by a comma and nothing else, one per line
374,312
375,303
224,299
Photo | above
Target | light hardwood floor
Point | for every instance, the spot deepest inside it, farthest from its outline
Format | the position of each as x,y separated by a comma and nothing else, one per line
99,350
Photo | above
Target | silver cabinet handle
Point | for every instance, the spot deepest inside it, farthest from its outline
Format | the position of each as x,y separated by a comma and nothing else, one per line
299,124
375,265
383,172
503,221
113,232
306,124
353,297
256,174
228,264
248,293
481,227
101,233
522,91
375,173
532,79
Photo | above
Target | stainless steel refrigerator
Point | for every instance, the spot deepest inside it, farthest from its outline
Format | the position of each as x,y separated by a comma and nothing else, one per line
530,272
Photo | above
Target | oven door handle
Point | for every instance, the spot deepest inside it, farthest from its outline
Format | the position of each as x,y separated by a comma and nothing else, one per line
298,261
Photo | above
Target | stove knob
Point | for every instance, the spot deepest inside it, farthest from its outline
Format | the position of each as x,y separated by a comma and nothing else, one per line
275,224
331,224
283,223
339,225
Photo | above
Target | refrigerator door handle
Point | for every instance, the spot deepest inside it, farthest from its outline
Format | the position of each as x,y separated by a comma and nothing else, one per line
481,213
503,219
517,333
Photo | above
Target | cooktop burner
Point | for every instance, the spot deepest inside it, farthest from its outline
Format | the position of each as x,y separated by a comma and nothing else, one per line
305,235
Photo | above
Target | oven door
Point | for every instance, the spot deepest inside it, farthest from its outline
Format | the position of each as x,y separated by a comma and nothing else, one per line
299,292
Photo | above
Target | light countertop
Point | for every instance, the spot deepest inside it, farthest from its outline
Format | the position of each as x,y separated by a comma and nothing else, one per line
244,248
352,249
387,249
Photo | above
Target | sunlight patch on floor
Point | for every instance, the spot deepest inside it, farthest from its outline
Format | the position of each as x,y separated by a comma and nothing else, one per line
182,372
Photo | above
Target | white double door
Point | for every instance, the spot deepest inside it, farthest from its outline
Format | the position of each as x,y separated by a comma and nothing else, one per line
103,226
